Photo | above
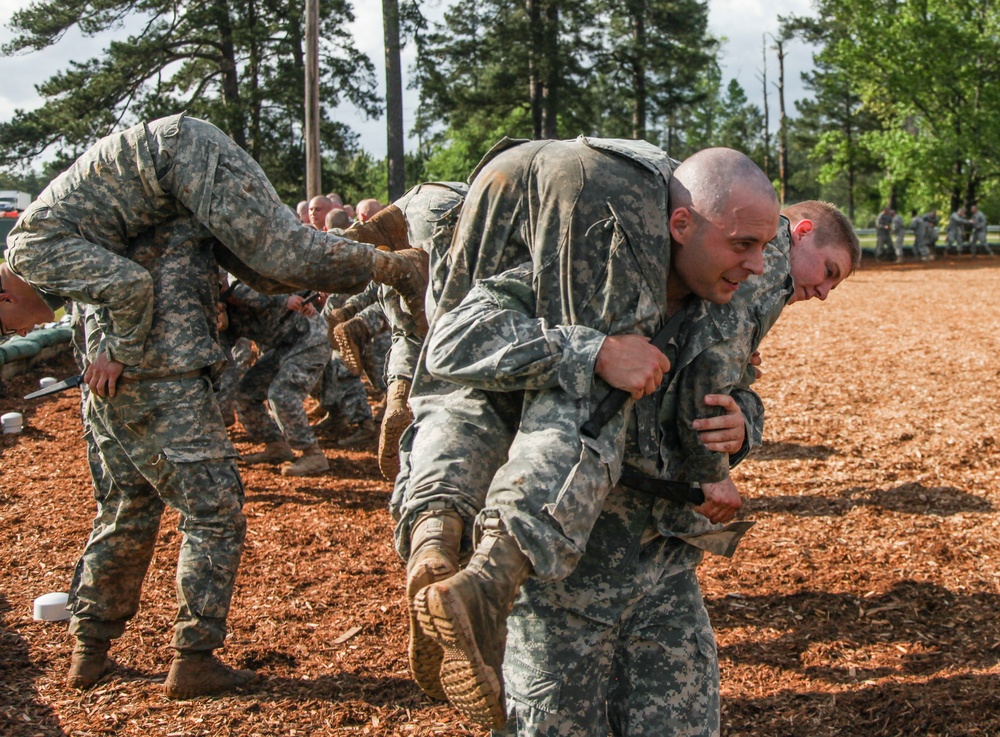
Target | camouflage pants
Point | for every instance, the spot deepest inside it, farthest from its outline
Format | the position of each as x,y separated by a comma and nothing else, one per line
624,644
153,445
283,378
343,394
242,357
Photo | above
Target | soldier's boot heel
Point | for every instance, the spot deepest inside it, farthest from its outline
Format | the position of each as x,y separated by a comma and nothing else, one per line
89,662
201,674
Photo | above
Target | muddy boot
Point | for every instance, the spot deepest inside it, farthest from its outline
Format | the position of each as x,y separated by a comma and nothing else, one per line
435,541
334,318
354,342
405,271
386,228
467,616
311,462
200,674
275,452
364,432
396,419
89,662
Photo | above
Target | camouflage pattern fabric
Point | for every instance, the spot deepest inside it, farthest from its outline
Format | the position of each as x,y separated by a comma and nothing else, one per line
623,643
158,444
979,233
145,177
954,231
920,239
883,241
501,228
294,353
898,234
431,210
341,393
239,360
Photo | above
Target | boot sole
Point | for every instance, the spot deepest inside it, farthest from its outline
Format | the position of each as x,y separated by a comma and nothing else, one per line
393,428
425,654
472,687
350,352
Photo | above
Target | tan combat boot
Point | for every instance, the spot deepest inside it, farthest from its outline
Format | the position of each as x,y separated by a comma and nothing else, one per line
364,432
435,541
311,462
334,318
200,674
396,419
386,228
467,616
89,662
405,271
354,341
275,452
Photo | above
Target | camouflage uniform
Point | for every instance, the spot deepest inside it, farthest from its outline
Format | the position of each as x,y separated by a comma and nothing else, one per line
979,234
293,355
635,584
239,357
431,211
920,245
953,232
160,440
342,394
135,227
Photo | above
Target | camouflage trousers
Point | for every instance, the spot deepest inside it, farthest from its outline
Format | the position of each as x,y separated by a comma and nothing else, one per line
154,445
283,378
242,359
623,646
342,393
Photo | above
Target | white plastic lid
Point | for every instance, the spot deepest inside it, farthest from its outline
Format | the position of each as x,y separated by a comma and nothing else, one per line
52,607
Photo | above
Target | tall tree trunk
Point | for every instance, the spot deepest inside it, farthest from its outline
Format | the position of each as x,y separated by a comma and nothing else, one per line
314,168
767,113
782,123
535,85
393,100
851,168
552,71
253,84
235,123
639,69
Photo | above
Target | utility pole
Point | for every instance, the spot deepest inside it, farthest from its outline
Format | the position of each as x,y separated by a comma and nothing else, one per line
314,183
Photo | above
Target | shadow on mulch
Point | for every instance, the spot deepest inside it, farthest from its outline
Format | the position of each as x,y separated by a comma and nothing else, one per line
360,499
911,498
22,713
926,627
771,451
957,706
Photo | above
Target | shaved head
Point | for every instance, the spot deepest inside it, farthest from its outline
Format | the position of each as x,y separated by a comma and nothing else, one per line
706,179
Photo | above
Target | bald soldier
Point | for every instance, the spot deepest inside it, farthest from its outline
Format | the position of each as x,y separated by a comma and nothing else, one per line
593,219
136,228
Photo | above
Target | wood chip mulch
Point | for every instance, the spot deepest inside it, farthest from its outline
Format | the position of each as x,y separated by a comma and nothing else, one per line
864,602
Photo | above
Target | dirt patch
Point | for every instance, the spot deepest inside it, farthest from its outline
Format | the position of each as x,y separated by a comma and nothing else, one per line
864,602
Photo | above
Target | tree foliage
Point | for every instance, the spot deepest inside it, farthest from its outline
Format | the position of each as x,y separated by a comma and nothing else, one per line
239,65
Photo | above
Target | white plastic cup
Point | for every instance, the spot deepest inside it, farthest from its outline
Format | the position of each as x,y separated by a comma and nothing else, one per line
47,381
52,607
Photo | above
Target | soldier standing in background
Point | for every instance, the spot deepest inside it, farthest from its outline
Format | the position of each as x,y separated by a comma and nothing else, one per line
978,232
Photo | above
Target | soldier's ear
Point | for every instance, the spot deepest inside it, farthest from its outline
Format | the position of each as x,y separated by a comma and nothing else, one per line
681,223
801,228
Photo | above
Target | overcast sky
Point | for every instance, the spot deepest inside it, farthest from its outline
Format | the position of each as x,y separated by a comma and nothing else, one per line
741,22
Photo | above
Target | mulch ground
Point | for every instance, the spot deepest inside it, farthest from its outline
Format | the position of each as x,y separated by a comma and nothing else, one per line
864,602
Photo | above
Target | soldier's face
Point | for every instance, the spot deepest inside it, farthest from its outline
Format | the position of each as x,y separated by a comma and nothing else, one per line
816,269
317,214
20,307
713,255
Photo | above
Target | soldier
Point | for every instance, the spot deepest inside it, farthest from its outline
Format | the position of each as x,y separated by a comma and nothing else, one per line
294,350
622,212
883,240
956,222
563,631
136,229
978,232
919,227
